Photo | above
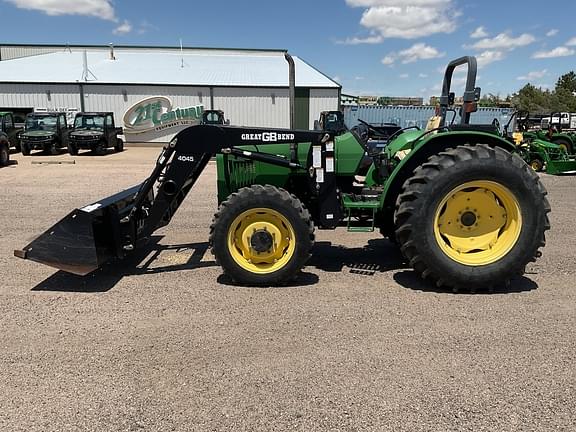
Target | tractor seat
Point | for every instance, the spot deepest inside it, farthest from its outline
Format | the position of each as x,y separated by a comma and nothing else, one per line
488,128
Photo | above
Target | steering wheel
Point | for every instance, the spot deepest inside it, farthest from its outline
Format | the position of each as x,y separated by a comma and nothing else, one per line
496,123
363,131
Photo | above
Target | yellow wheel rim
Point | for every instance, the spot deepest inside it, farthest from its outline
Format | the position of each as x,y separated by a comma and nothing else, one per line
563,147
478,223
536,166
261,240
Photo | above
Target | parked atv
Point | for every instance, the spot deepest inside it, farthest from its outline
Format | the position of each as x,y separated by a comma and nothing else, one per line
95,132
44,131
10,130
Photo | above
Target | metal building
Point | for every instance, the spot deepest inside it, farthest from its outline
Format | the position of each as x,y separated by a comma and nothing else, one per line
252,87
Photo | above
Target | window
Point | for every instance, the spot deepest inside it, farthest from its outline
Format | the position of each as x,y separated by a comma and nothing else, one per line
8,124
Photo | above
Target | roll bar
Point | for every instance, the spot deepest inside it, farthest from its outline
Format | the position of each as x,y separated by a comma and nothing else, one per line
471,92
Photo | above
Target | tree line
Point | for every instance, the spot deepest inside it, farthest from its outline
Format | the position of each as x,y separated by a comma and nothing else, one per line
537,100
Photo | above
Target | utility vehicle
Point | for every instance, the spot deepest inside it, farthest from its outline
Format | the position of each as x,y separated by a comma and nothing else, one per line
10,129
95,131
46,131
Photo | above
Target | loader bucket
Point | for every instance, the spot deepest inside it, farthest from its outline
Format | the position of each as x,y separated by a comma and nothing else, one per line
85,239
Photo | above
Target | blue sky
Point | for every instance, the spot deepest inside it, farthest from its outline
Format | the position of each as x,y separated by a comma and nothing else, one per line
372,47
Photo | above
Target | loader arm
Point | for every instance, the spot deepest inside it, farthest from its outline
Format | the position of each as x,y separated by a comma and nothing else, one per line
111,228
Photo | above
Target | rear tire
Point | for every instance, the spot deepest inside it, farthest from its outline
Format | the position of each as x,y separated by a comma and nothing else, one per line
262,235
4,154
472,217
564,144
72,150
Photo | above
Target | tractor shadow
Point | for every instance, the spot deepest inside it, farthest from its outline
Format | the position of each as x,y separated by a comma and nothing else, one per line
378,256
409,279
152,258
106,153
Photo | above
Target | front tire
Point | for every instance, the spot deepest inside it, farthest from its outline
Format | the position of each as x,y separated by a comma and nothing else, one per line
52,149
25,149
472,217
262,235
119,147
537,164
72,149
4,154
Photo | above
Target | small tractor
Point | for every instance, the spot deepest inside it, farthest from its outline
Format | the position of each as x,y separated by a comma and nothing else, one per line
538,148
465,210
95,131
46,131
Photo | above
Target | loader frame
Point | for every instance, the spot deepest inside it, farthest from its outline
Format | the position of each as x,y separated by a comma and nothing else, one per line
113,227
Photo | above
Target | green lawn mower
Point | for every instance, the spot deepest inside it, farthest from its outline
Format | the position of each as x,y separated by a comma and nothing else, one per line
465,210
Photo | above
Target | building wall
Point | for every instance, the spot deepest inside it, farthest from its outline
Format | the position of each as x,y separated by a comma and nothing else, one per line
322,100
257,107
254,106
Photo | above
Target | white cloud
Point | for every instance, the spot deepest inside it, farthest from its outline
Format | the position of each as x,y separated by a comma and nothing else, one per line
123,28
416,52
376,39
556,52
552,32
504,41
404,19
98,8
422,75
487,57
571,42
404,76
479,33
530,76
388,60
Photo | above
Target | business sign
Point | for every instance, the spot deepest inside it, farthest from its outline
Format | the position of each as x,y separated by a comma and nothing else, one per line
158,114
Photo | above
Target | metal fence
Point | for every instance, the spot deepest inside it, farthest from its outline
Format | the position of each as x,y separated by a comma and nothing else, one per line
406,116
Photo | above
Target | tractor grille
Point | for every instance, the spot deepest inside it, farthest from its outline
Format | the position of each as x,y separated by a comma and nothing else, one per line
242,173
84,137
37,138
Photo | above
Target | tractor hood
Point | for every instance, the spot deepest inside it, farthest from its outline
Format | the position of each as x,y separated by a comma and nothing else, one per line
86,134
38,134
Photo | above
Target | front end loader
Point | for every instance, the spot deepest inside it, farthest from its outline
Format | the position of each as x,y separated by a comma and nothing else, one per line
465,210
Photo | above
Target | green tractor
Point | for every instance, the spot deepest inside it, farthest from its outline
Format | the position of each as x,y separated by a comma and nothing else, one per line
538,148
463,207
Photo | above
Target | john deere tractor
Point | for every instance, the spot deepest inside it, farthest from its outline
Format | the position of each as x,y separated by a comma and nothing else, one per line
464,209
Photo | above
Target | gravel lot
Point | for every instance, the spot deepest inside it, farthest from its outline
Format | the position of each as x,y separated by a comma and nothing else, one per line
163,342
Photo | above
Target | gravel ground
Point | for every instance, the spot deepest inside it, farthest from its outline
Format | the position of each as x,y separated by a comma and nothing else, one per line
163,342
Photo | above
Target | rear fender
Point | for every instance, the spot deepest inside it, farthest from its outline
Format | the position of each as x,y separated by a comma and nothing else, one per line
423,149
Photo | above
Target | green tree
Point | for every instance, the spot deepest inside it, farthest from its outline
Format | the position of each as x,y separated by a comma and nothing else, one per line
532,99
567,82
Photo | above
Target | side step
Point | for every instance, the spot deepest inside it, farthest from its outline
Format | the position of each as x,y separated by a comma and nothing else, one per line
369,206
